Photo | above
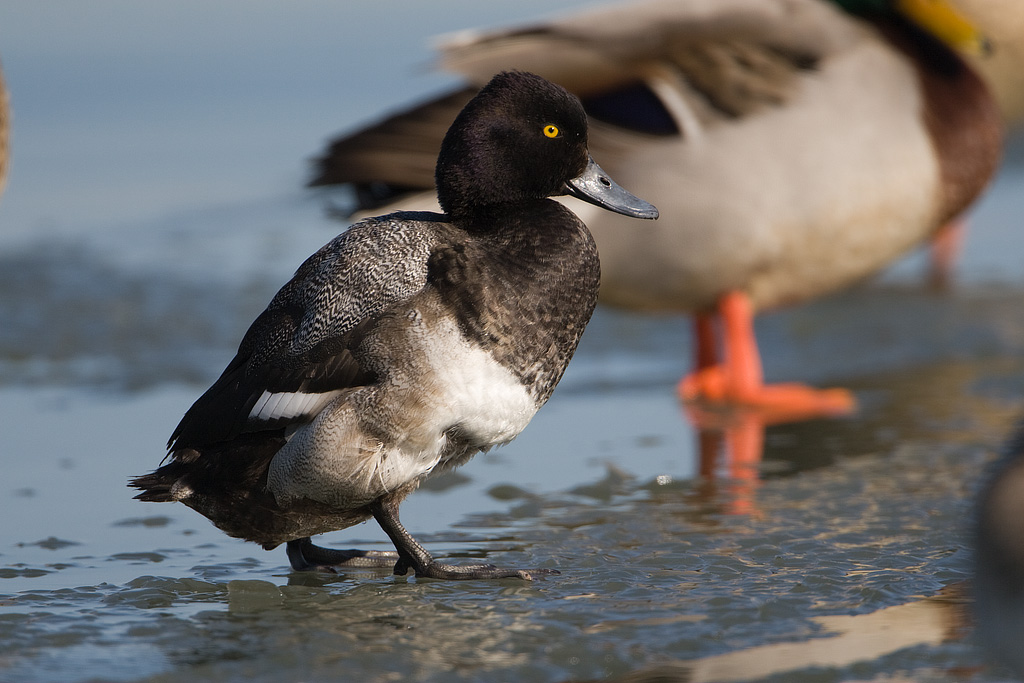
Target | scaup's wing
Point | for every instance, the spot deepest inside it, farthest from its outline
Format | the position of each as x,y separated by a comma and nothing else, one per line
297,355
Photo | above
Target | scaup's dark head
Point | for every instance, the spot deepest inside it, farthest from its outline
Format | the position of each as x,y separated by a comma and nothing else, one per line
521,138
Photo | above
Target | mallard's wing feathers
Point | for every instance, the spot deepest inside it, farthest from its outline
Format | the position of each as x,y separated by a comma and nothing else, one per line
400,150
592,51
662,67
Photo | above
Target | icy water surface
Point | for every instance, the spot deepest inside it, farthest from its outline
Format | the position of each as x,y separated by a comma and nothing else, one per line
845,562
155,205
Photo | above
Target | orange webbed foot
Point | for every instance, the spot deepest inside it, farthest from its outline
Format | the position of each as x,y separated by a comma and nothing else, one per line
738,378
776,402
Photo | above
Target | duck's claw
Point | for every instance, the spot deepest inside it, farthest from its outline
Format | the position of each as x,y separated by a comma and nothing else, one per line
449,572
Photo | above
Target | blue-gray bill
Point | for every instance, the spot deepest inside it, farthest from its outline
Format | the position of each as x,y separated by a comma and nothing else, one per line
596,187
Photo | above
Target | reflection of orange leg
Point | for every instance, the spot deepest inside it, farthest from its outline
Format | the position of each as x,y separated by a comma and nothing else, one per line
744,447
709,443
744,442
945,252
739,379
730,447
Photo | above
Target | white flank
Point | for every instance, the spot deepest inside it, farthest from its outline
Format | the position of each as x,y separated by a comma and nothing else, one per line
474,391
436,381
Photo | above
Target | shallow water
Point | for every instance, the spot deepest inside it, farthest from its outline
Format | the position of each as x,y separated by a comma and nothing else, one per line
855,530
156,204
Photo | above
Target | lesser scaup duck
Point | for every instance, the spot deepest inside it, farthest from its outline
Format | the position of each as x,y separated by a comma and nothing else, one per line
406,345
793,149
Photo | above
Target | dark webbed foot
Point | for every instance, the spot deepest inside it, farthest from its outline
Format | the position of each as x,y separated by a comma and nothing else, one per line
438,570
411,555
305,557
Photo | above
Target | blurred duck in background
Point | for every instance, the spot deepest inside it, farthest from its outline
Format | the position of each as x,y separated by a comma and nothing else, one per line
5,131
1002,22
998,584
794,147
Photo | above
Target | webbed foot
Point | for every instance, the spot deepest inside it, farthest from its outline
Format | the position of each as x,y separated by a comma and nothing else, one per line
412,555
306,557
450,572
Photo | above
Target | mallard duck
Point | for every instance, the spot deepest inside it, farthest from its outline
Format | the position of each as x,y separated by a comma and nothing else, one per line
407,344
793,148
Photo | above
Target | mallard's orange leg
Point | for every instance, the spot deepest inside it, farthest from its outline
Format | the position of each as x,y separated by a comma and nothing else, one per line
705,341
740,380
945,252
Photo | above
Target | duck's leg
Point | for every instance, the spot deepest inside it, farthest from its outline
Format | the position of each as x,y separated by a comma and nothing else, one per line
705,341
707,379
305,556
413,555
739,378
945,251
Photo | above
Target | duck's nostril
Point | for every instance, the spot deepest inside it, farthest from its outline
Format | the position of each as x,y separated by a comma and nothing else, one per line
605,181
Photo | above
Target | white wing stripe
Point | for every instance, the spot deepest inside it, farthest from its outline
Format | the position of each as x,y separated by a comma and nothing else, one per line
260,404
305,403
270,411
289,405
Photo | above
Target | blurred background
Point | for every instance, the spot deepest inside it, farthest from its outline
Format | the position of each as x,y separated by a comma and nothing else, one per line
155,202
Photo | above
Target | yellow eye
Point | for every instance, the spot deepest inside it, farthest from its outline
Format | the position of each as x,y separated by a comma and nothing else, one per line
552,131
